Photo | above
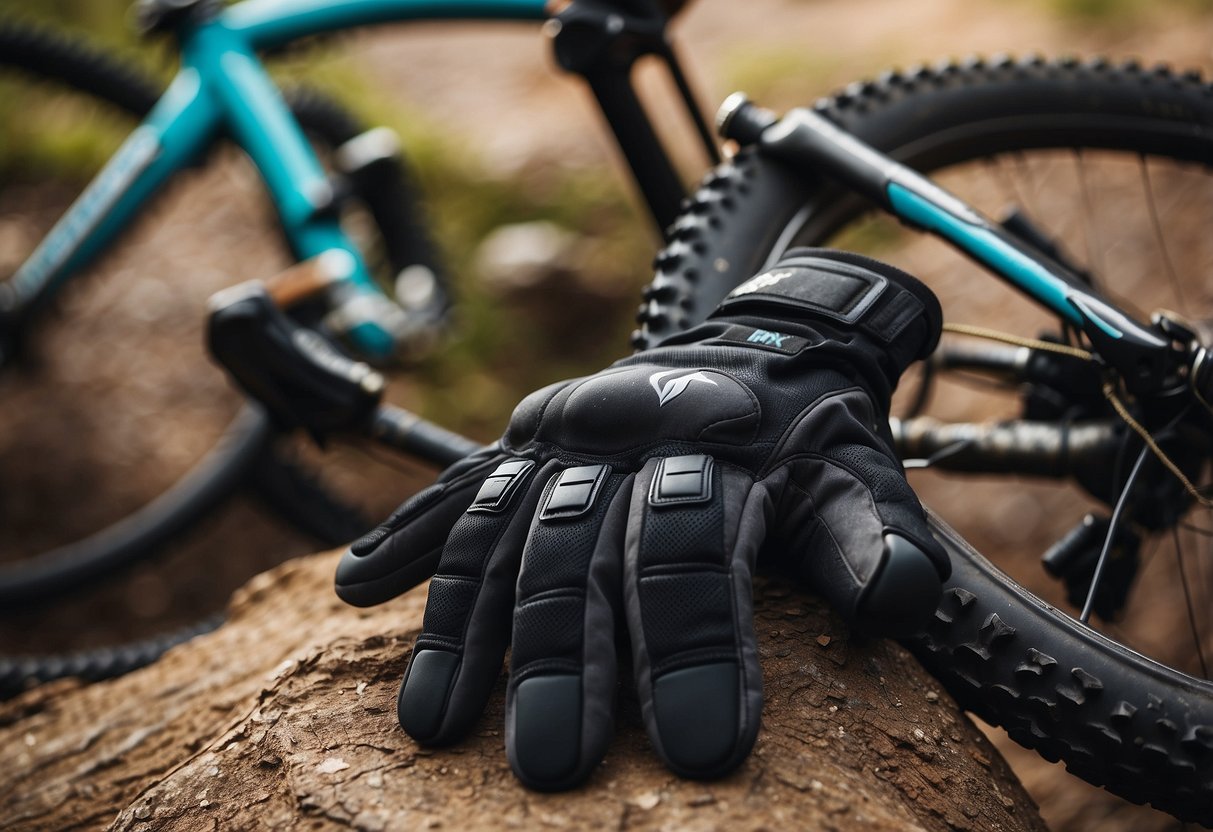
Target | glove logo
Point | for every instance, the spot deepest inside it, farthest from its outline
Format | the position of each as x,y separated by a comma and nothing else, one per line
674,387
760,282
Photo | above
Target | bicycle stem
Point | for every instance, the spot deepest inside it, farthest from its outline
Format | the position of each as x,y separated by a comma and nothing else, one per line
812,145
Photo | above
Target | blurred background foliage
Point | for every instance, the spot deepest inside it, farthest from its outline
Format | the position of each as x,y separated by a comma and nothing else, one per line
1119,13
509,338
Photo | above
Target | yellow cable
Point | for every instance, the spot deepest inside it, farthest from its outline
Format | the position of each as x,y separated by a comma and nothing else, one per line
1109,391
1123,412
1015,340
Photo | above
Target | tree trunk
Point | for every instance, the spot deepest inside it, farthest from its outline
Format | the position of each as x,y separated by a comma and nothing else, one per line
285,718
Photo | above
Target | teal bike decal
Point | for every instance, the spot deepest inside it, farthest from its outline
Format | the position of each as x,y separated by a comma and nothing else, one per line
132,159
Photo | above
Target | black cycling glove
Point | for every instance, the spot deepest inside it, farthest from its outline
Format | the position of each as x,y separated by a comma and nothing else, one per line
644,494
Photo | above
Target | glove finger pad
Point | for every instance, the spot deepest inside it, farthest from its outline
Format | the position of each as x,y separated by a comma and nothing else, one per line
465,632
559,706
689,612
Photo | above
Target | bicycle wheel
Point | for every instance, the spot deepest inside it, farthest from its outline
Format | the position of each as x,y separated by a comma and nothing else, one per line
108,516
1113,161
95,494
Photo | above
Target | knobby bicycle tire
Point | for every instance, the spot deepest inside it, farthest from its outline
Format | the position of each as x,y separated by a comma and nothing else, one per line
18,673
1117,719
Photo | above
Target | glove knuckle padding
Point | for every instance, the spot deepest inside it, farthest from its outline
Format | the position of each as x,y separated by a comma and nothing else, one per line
529,412
687,594
586,416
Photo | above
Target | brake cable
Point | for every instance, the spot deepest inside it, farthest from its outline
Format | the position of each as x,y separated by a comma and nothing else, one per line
1109,391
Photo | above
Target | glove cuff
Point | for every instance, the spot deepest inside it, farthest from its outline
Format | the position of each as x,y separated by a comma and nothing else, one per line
845,291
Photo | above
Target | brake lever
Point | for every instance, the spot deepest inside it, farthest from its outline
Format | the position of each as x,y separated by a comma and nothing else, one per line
299,376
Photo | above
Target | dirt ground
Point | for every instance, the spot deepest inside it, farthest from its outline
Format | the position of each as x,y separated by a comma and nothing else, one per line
495,90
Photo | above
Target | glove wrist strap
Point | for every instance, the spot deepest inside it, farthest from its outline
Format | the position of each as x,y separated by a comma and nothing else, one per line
842,289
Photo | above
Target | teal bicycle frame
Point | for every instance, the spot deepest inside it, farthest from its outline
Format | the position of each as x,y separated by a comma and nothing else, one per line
223,86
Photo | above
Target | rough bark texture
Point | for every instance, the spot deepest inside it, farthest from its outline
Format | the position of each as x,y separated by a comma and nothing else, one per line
285,718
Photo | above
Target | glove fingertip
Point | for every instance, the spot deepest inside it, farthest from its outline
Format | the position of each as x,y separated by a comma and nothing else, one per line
700,723
363,581
544,745
900,599
422,703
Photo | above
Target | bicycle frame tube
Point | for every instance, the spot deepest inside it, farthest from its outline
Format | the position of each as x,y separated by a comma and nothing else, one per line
811,142
266,24
182,124
263,126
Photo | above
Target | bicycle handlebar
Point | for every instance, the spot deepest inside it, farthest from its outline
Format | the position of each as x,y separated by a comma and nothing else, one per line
405,431
304,381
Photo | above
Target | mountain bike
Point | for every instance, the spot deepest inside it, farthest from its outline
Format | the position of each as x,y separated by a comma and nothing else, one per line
1108,396
1108,384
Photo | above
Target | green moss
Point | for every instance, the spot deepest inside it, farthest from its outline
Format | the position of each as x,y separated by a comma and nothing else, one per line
1120,13
55,133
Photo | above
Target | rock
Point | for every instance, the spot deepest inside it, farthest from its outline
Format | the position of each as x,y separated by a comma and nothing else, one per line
524,255
292,703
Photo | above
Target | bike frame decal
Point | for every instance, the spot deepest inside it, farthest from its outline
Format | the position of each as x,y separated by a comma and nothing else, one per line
134,157
183,122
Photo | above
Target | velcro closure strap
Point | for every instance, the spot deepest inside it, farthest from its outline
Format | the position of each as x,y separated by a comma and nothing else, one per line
574,492
832,289
497,491
680,480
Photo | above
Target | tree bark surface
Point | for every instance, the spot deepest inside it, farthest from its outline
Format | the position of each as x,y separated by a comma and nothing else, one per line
285,718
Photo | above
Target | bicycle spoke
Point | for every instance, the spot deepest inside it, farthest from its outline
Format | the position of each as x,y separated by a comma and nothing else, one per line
1012,194
1172,276
1192,527
1183,579
1089,604
1095,257
1025,167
